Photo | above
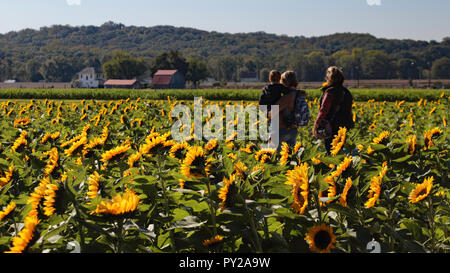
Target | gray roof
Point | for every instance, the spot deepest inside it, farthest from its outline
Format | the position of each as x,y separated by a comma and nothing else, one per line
90,70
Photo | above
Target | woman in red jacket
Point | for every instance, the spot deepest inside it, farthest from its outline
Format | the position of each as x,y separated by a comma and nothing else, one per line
335,108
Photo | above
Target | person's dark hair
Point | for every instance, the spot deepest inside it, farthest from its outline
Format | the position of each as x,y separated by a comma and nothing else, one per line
274,76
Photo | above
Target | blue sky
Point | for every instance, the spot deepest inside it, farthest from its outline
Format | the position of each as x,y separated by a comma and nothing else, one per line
398,19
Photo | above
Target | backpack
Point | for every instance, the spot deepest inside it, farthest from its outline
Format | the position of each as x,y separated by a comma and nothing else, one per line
340,117
343,114
301,111
300,116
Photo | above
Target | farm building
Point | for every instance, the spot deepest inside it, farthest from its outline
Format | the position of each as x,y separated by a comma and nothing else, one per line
247,76
121,84
90,77
168,79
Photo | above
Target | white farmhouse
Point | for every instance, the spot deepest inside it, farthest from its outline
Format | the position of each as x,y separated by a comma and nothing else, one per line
90,78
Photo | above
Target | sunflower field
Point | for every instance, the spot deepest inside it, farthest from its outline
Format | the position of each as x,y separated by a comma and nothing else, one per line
107,176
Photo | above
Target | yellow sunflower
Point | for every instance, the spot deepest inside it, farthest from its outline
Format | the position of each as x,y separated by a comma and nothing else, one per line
296,147
154,145
240,170
338,141
38,193
360,148
182,182
119,204
249,148
210,146
108,155
22,121
8,175
195,164
178,150
52,161
374,192
342,167
298,179
21,140
94,180
381,137
76,145
264,154
284,153
411,141
49,199
331,191
429,137
133,159
227,191
421,191
320,239
217,239
7,210
25,235
343,197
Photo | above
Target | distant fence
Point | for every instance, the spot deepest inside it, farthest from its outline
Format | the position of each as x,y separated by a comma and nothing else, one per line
37,85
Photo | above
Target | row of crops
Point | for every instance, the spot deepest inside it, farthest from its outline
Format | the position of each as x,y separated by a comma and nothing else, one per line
391,95
107,176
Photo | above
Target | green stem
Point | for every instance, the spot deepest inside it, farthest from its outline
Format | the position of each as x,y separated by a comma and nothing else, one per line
319,211
266,228
212,209
166,203
119,233
81,238
431,224
253,226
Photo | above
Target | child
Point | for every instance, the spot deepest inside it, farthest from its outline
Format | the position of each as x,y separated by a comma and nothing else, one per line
289,105
273,92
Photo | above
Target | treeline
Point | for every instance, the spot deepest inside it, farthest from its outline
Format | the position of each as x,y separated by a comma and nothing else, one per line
58,52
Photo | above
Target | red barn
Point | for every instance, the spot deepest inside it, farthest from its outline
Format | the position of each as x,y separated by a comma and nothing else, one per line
121,84
168,79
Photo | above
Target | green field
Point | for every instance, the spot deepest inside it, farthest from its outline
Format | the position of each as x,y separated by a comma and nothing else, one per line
210,94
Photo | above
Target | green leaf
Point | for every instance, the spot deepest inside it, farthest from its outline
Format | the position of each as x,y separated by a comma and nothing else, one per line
323,186
144,179
402,159
284,212
332,160
413,227
378,147
351,213
188,222
179,214
196,206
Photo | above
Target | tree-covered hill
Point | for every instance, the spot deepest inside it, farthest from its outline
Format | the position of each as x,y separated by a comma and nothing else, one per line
29,54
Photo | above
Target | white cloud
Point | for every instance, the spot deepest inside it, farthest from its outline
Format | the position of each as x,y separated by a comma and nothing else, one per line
374,2
73,2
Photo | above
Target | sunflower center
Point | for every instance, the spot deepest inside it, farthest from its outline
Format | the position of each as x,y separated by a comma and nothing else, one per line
422,192
179,153
322,239
198,161
300,198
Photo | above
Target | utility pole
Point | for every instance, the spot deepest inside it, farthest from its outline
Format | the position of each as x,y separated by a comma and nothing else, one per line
429,74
